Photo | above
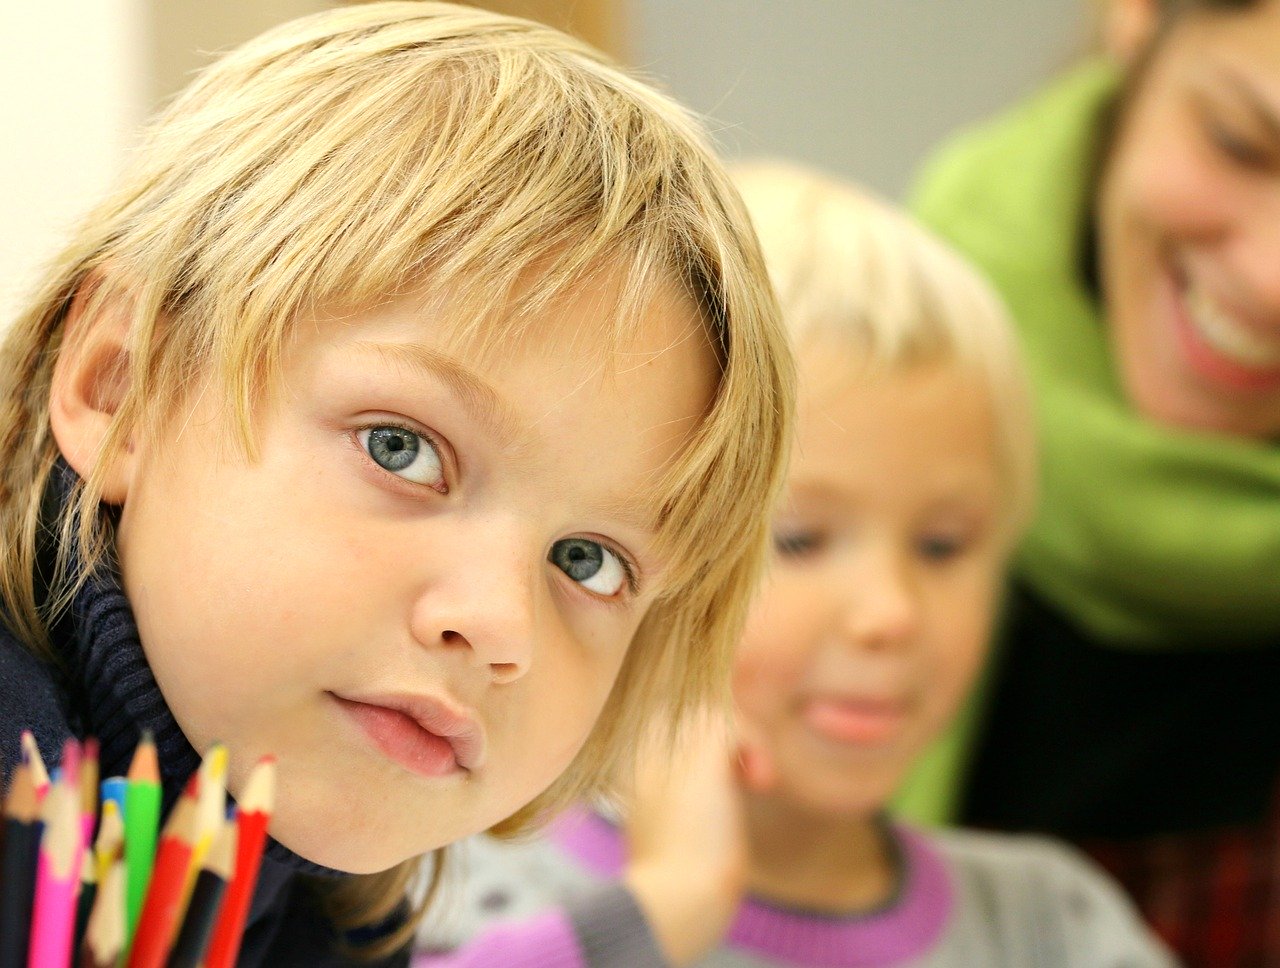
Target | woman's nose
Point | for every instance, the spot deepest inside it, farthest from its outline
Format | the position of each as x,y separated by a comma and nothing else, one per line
1255,260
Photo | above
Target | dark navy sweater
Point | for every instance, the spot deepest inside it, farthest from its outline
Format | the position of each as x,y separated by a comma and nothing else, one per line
100,684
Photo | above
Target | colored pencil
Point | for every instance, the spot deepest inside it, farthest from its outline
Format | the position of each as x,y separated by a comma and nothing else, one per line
251,822
53,913
87,896
31,756
161,909
104,938
141,820
206,899
17,876
89,790
211,810
113,791
108,847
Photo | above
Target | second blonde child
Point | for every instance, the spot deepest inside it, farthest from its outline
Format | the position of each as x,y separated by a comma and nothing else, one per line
911,481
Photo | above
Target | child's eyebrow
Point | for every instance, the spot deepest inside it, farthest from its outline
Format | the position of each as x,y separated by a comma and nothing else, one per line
635,513
484,404
480,399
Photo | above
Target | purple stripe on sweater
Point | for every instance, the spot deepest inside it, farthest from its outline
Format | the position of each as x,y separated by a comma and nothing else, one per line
591,839
545,941
906,931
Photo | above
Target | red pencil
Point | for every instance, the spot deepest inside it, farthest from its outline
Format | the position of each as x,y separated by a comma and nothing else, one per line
206,900
255,813
160,910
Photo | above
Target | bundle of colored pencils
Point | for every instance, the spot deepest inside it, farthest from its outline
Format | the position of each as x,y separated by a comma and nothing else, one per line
87,888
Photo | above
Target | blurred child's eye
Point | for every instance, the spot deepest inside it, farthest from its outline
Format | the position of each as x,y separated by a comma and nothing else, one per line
403,453
797,544
940,547
590,564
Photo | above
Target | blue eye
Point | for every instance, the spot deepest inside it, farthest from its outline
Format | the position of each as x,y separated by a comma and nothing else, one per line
796,544
403,453
590,564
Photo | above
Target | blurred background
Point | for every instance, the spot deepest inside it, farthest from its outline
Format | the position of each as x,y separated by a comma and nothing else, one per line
861,88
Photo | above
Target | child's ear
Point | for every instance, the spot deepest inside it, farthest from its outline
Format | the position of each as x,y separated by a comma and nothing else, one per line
1129,27
89,382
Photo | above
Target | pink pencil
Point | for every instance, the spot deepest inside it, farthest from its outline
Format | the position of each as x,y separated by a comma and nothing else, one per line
53,917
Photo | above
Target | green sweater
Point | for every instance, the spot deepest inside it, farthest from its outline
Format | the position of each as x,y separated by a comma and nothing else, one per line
1148,536
1150,540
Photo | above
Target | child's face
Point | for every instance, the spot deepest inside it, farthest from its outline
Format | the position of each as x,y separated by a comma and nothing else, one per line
885,577
467,541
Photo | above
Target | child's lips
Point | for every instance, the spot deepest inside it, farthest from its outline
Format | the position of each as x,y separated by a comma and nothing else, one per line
855,721
421,733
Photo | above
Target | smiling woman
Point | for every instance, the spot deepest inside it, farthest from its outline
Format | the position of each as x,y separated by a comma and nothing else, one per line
1189,228
1130,215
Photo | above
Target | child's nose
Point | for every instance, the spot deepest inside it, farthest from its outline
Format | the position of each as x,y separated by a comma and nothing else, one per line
881,609
485,607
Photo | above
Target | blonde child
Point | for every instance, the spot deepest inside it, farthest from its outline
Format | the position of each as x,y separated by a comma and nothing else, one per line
911,480
406,414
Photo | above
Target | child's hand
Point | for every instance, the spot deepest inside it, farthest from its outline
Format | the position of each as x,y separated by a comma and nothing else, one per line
687,841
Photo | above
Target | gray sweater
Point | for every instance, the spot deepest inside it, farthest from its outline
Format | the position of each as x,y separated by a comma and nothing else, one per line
966,899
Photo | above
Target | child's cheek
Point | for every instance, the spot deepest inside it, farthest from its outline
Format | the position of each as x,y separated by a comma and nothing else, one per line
762,684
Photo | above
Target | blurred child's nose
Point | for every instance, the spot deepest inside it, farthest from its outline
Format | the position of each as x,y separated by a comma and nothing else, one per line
482,601
881,610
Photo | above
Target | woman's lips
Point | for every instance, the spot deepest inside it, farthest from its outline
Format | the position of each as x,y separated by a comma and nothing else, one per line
1203,330
856,722
422,734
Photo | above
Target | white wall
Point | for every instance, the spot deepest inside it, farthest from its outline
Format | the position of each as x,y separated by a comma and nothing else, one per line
859,87
71,73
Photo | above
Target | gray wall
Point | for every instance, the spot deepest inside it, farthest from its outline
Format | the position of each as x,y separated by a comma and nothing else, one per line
858,87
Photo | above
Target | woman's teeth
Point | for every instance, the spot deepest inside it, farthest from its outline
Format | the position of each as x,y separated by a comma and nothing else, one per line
1227,336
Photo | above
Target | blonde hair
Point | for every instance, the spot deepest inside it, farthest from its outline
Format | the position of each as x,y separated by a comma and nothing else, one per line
382,148
851,267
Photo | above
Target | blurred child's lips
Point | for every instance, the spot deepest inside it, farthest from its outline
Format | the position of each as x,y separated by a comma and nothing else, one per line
861,722
421,733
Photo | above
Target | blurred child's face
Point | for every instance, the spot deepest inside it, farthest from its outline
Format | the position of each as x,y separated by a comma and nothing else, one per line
885,577
419,595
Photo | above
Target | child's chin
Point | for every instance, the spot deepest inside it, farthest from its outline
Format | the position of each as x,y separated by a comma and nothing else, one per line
839,797
343,850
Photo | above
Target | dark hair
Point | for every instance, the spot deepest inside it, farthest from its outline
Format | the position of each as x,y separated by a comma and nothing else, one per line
1174,8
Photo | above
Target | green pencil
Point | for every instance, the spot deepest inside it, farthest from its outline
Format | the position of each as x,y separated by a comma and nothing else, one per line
141,826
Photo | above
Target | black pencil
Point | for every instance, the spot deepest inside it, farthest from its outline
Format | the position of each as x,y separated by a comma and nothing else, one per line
88,893
206,900
18,874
